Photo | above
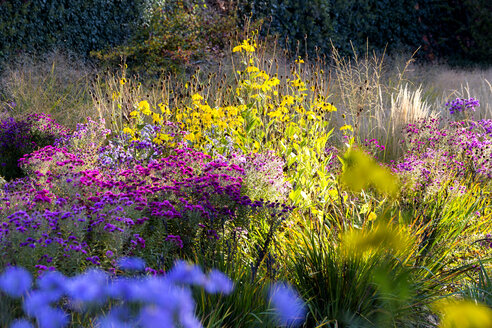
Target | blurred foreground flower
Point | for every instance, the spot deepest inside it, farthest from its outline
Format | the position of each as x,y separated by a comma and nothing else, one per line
152,301
463,314
289,307
380,238
15,281
360,172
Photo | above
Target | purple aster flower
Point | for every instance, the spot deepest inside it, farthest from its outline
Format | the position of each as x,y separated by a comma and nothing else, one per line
15,281
289,307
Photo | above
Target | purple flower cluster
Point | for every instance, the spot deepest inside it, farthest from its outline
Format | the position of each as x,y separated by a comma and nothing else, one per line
53,217
261,173
373,147
334,165
461,105
144,301
461,149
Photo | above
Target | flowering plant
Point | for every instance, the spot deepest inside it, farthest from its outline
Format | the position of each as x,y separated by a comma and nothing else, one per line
462,105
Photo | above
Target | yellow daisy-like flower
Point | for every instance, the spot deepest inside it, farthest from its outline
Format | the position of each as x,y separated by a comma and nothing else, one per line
250,69
347,127
123,81
133,113
164,137
127,130
246,46
196,97
144,106
157,141
156,118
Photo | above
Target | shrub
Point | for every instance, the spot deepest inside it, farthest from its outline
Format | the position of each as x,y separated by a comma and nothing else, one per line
178,34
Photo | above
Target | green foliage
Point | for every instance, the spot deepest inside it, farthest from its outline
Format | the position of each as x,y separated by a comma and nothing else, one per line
455,30
461,31
343,290
177,34
75,25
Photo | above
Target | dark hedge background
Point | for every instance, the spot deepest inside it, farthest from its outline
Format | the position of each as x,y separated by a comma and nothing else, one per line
457,31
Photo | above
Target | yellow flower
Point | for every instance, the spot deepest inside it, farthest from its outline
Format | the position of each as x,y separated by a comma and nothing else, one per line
157,141
164,109
123,81
372,216
250,69
347,127
144,106
246,46
380,238
164,137
133,113
128,130
190,137
196,97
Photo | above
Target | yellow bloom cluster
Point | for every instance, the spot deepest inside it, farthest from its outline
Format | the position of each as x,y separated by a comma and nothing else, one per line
137,117
203,122
247,45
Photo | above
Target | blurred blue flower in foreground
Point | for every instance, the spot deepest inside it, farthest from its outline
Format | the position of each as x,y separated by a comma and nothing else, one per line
131,264
156,301
289,307
15,281
21,324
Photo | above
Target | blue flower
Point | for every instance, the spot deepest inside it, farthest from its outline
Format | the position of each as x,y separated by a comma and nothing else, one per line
131,264
22,323
289,307
153,316
52,318
185,273
118,317
218,283
35,303
88,287
52,284
15,281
